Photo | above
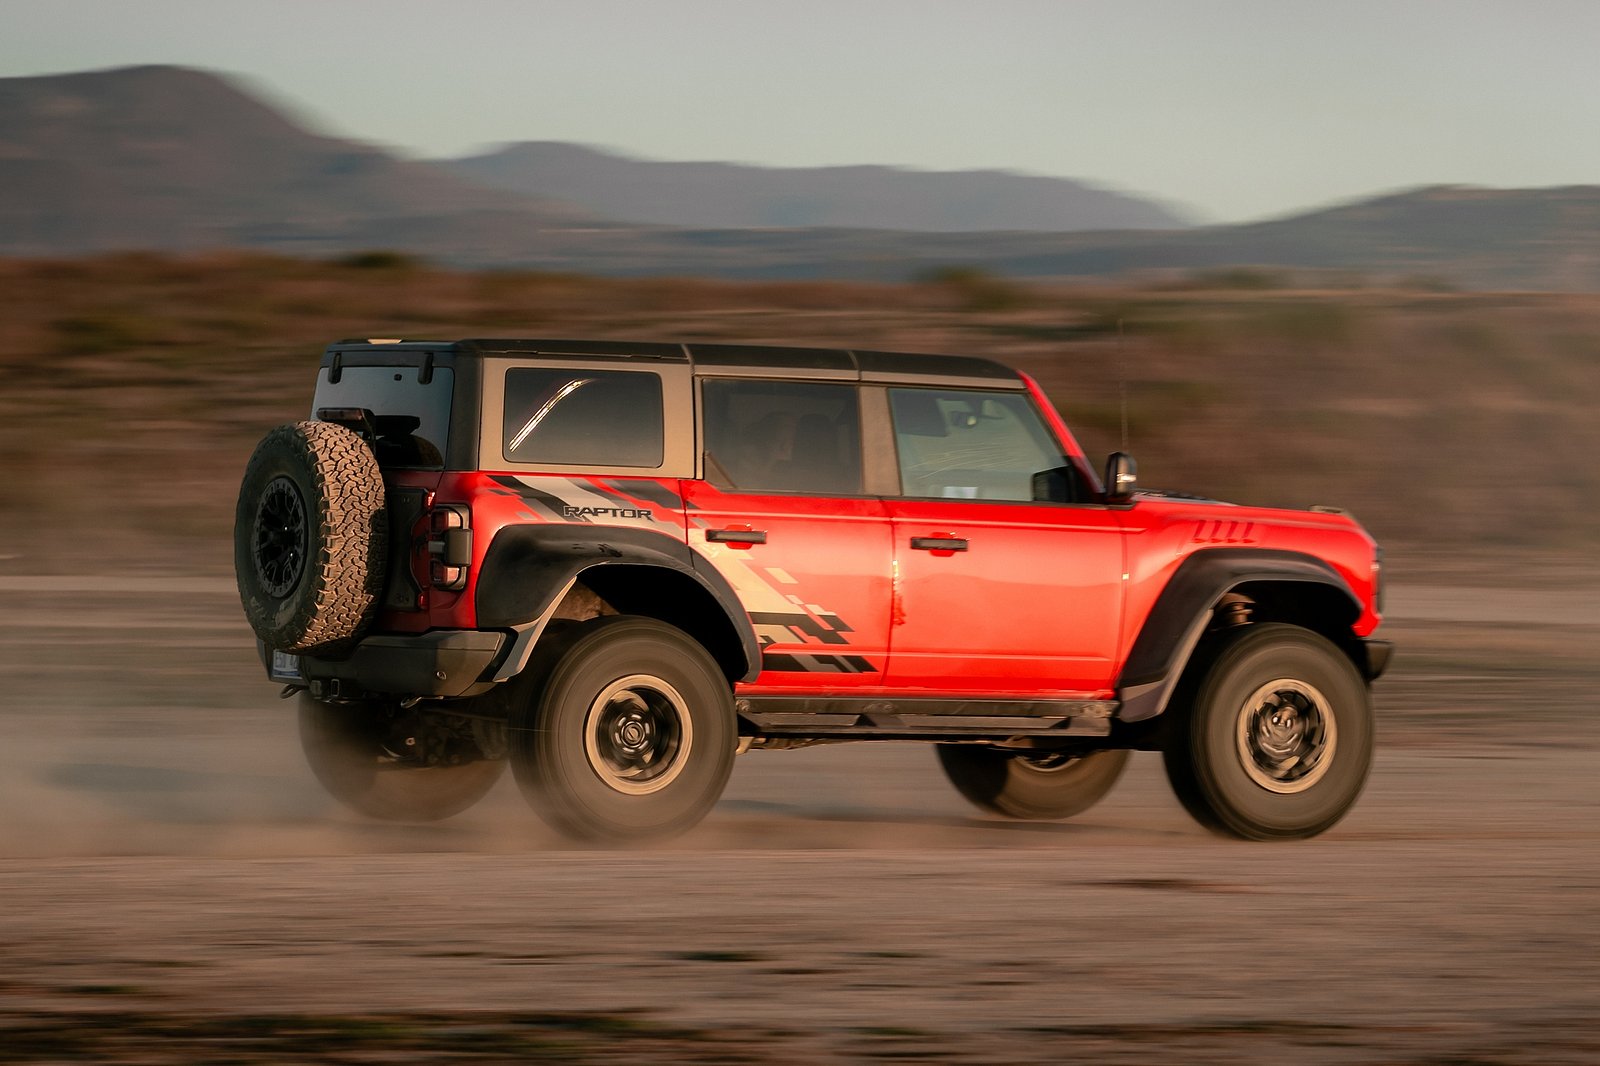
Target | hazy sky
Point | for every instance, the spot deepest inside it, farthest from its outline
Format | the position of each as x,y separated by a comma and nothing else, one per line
1236,109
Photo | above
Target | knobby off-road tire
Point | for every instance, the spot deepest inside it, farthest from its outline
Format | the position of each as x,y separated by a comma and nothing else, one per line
345,747
629,732
1032,785
1277,740
310,537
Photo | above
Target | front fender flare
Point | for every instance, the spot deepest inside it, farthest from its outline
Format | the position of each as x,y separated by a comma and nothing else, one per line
1184,609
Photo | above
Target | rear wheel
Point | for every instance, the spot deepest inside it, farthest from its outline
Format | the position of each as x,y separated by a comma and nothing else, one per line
397,765
629,737
1032,785
1277,740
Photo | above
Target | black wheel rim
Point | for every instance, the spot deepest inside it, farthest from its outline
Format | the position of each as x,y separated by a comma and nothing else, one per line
1048,762
280,538
638,734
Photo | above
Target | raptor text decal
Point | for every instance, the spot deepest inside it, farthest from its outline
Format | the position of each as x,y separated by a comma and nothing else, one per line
569,511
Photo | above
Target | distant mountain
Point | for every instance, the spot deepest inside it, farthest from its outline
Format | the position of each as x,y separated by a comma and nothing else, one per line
170,158
736,196
1534,239
167,157
1477,237
1546,239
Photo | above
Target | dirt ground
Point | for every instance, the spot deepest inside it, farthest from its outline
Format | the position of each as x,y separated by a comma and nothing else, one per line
174,886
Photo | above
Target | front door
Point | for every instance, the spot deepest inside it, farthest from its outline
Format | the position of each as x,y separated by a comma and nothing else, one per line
995,593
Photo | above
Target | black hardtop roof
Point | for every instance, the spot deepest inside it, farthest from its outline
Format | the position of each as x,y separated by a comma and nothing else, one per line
827,362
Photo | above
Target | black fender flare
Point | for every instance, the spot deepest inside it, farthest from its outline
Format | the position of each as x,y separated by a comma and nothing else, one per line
1184,609
528,568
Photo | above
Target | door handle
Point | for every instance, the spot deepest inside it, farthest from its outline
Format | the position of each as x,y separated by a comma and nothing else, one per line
939,544
737,536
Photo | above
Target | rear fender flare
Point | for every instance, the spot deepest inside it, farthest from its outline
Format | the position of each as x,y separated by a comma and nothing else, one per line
1185,607
527,570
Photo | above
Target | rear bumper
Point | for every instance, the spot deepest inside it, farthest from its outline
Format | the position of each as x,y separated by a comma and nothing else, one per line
441,663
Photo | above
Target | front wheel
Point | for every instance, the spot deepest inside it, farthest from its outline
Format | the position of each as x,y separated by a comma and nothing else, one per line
1277,741
1031,785
399,766
631,734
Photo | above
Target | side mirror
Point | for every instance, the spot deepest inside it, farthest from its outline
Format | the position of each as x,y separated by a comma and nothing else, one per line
1058,485
1122,477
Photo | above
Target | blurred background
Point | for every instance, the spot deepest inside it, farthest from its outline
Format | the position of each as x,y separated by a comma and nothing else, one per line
1327,254
1335,256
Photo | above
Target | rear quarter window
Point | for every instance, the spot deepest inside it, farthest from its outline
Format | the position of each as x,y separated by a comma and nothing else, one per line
573,417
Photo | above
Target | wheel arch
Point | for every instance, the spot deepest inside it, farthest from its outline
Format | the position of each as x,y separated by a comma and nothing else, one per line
530,571
1231,587
684,601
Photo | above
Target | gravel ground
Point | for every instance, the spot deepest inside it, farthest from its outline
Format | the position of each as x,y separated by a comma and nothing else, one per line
173,885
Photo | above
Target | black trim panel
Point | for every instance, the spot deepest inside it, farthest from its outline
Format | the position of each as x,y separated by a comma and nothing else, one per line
771,357
440,662
877,718
588,349
910,367
1379,652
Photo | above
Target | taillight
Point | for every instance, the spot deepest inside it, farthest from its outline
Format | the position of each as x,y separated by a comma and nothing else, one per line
449,546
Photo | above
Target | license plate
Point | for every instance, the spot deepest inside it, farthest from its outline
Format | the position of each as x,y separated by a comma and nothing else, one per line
285,666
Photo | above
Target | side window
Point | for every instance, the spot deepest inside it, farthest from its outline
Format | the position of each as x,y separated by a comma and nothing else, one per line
583,417
782,436
970,445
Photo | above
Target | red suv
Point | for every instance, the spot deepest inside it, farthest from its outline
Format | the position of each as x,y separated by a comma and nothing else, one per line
616,565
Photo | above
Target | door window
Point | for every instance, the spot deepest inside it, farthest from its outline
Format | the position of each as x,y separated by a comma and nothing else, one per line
782,436
973,445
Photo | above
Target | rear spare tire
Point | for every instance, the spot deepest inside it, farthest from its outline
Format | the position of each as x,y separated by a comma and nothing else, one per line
310,536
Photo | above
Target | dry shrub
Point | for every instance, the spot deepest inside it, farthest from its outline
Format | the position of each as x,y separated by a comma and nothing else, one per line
1451,423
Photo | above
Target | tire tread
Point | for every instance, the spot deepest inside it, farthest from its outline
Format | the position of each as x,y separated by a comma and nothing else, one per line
348,545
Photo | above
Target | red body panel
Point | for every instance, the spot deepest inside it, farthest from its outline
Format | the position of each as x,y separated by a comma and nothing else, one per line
1044,603
817,590
1036,607
1164,532
1032,607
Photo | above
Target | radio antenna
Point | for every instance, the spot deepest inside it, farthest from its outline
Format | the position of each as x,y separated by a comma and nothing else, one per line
1122,384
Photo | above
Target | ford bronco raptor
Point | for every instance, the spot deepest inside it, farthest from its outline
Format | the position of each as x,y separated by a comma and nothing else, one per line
616,565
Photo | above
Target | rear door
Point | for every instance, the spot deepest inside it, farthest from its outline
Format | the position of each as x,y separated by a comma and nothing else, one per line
995,593
782,514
